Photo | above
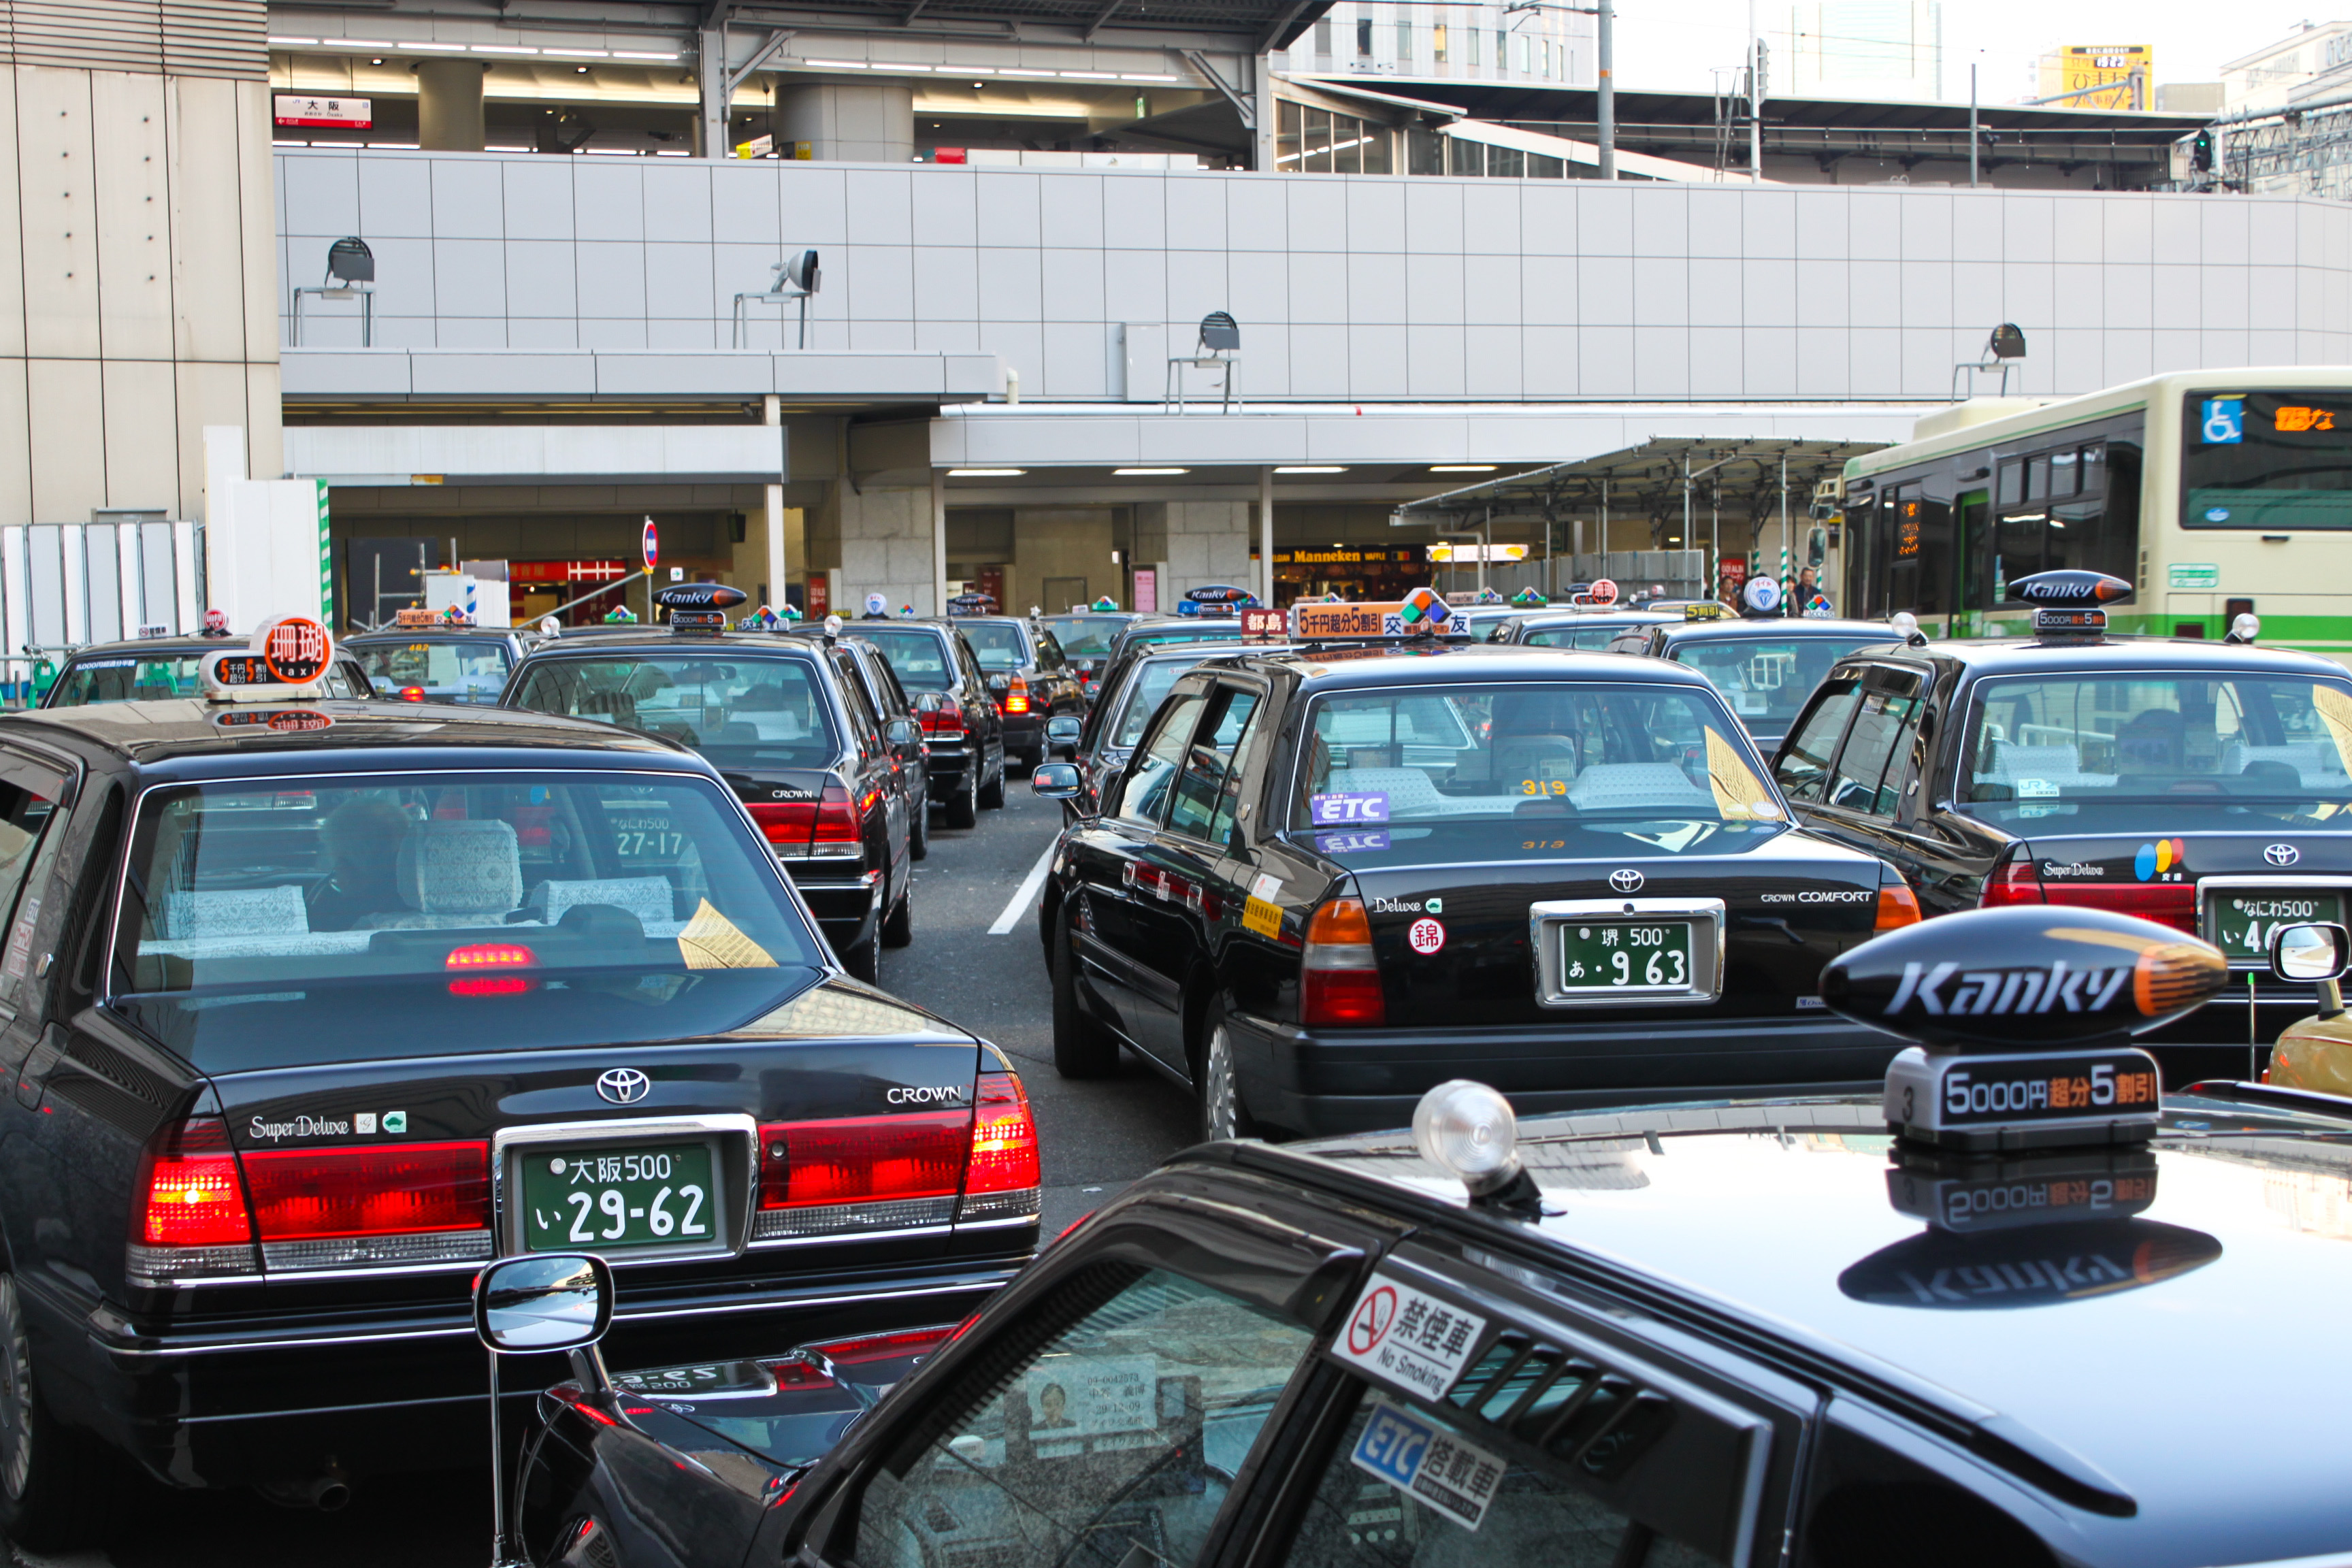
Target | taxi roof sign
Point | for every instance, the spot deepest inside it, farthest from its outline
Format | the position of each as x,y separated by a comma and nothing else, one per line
1407,617
1704,610
286,659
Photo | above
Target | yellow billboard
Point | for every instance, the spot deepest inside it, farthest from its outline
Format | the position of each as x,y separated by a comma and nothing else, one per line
2108,65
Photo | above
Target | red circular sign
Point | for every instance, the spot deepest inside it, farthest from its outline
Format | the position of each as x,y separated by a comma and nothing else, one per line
295,649
1370,1324
1603,592
1426,936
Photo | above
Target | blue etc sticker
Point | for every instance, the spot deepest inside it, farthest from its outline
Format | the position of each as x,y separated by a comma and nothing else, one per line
1428,1464
1345,843
1336,810
2223,421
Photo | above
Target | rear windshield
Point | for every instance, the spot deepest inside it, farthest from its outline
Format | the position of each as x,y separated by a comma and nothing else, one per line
1204,631
443,672
126,678
1766,680
1592,639
757,712
997,646
2157,752
1084,637
919,659
423,914
1527,761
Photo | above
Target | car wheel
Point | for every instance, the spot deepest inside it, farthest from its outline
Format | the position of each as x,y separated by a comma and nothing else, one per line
919,830
1219,1091
963,807
51,1484
1082,1048
864,962
992,794
898,927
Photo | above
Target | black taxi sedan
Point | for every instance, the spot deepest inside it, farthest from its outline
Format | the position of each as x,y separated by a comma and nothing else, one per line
2202,784
1740,1334
1331,877
1766,667
441,663
1032,683
787,724
313,1005
963,731
1590,630
142,669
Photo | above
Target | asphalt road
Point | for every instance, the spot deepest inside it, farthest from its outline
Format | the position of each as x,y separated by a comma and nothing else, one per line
1096,1137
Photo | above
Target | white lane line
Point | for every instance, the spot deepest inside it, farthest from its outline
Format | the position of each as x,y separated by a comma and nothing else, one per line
1025,895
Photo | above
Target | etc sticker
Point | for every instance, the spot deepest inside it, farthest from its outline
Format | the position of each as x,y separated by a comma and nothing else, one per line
1428,1464
1346,843
1426,936
1260,916
1364,806
1406,1338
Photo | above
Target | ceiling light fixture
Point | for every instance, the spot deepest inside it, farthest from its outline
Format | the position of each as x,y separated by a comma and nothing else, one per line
986,473
1462,468
1312,469
1138,472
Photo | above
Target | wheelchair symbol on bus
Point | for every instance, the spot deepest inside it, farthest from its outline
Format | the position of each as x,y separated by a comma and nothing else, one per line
2224,420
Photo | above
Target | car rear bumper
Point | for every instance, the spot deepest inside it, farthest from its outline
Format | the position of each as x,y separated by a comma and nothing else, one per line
846,906
235,1404
1354,1080
945,766
1024,733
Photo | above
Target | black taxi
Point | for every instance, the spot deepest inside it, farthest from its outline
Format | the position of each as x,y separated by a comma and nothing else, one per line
788,725
1765,666
1590,629
1330,876
308,1006
142,669
1823,1332
440,660
2201,784
964,741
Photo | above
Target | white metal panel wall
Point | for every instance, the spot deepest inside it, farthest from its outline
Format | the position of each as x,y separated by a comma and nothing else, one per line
65,584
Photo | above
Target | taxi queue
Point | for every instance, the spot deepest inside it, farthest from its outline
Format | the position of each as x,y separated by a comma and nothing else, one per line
1351,858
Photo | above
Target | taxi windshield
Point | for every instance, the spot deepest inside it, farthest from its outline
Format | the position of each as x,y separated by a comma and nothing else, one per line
761,711
998,645
1591,636
1150,684
1526,756
320,919
2136,752
126,678
1199,631
1084,637
469,671
1767,679
919,659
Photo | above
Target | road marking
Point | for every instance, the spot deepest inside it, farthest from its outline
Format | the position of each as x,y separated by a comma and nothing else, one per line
1024,895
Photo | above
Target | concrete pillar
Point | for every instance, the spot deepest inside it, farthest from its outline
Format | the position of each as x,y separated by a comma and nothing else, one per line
449,105
1203,542
938,543
1068,547
771,409
865,122
1265,537
710,84
888,543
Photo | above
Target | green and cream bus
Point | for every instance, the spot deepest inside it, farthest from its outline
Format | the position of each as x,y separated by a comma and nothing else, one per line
2212,492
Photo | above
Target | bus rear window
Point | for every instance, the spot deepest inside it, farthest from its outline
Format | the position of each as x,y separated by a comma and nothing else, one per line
2276,461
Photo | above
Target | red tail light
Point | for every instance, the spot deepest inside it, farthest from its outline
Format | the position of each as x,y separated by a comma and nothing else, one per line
391,1189
943,723
884,1347
1340,978
490,955
864,1159
1016,696
2166,904
193,1197
1897,905
411,694
1003,1141
825,828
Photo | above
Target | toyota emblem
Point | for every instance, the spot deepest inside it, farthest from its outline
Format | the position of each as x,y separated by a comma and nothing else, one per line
1627,881
623,1086
2282,854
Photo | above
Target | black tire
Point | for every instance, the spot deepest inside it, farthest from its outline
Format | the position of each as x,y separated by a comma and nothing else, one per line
54,1484
1082,1048
992,794
1216,1087
898,926
963,806
864,962
919,831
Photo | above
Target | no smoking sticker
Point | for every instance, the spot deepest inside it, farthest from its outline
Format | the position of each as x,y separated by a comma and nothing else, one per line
1407,1338
1426,936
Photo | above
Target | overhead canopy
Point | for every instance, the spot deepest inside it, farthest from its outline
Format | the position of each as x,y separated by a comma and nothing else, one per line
1266,23
1746,475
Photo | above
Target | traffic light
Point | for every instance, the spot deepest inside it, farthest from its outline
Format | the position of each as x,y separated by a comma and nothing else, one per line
2200,151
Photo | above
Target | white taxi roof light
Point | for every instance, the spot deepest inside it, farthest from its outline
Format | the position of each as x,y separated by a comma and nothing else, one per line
1904,623
1468,1131
2244,629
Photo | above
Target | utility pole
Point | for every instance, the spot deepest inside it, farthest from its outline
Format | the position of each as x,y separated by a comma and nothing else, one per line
1606,132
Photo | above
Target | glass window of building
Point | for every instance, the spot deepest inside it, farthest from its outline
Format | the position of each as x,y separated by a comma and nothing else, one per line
1404,42
1437,43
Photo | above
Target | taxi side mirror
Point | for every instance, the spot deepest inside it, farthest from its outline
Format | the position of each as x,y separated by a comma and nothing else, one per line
2319,953
1056,781
901,732
1063,730
1000,684
550,1301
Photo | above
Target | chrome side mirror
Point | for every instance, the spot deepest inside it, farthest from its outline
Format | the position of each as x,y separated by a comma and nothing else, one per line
899,732
1056,781
545,1301
1064,730
2316,953
1000,684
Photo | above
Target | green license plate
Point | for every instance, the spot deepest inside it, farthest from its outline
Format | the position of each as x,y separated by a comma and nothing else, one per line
1625,955
598,1200
2242,919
